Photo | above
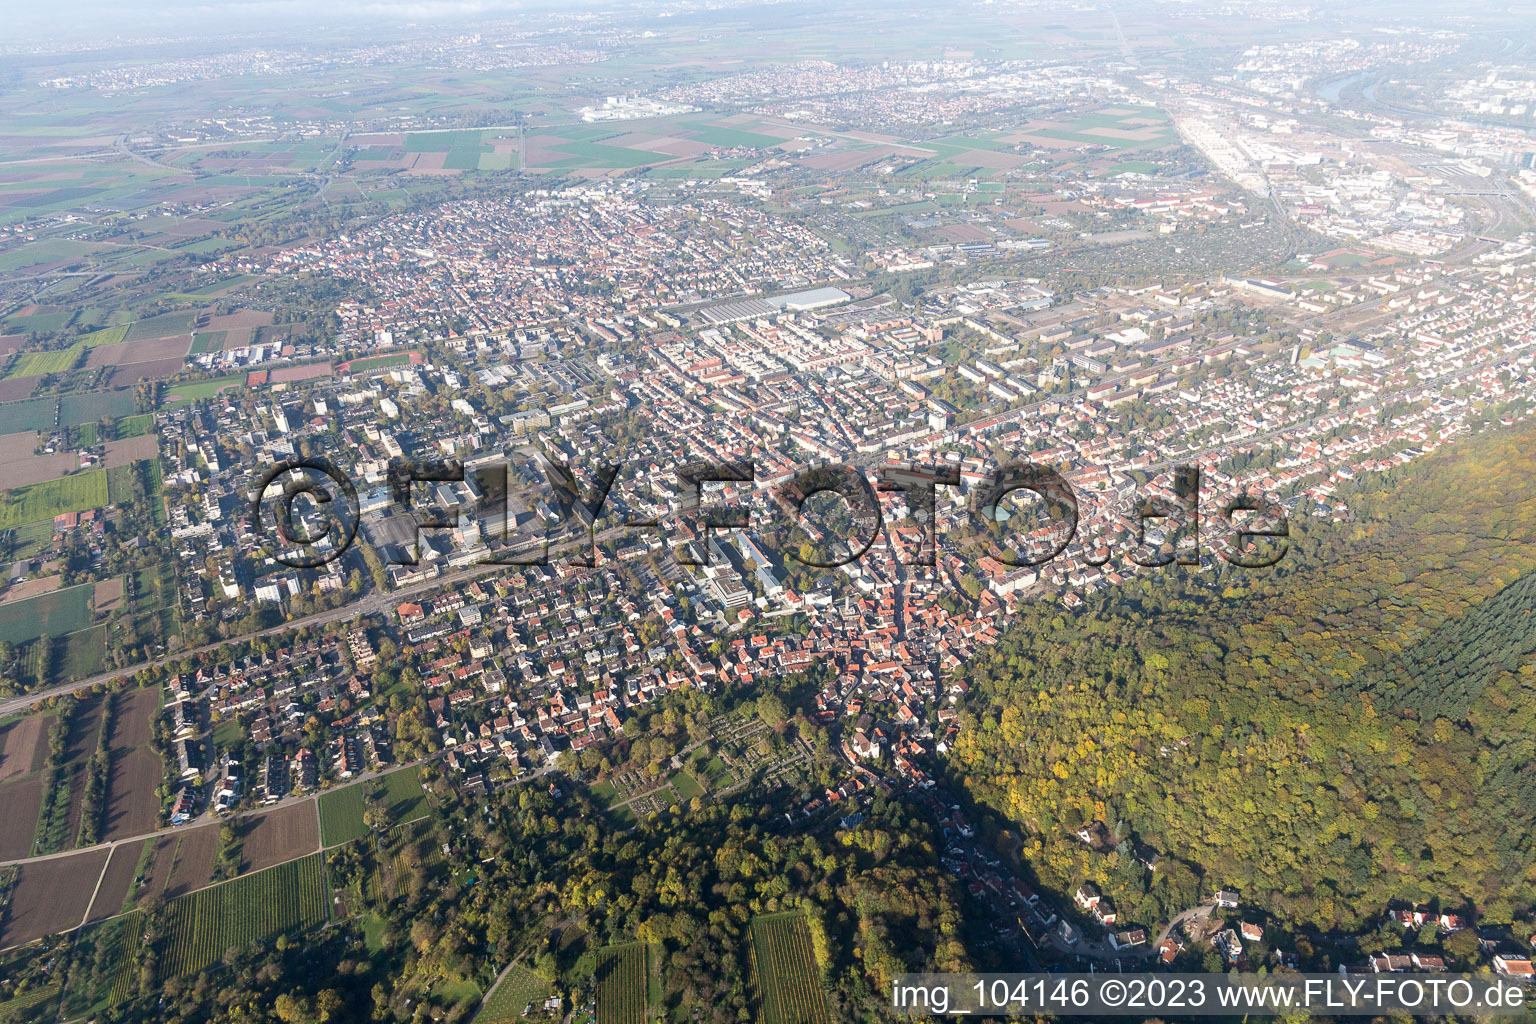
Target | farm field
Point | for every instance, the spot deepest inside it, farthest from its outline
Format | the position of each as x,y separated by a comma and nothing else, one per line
341,815
182,861
208,341
23,746
1123,127
122,865
200,927
20,466
786,970
277,836
26,542
20,802
132,806
54,614
28,414
46,500
31,364
132,426
621,984
163,326
341,810
96,405
84,654
403,795
105,336
505,1003
51,896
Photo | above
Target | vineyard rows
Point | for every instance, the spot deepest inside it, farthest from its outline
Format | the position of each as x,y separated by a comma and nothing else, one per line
200,927
125,958
786,970
621,985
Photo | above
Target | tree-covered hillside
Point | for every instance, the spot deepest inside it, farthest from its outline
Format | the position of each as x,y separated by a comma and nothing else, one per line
1352,726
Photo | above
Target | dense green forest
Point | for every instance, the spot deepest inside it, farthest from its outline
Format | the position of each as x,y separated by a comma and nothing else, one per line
1351,726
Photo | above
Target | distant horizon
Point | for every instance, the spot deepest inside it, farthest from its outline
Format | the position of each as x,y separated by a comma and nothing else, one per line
76,23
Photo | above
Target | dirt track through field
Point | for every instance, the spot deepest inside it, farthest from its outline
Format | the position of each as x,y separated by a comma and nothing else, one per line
115,881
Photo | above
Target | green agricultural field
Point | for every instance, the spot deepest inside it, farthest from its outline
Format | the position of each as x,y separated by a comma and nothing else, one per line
621,987
786,970
132,426
31,364
404,796
31,414
26,541
341,815
56,614
47,250
597,156
202,925
119,483
96,405
85,653
462,160
53,497
38,323
441,142
505,1004
207,341
105,336
164,326
713,135
341,810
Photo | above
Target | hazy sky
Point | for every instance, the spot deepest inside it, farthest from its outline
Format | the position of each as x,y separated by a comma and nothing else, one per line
92,19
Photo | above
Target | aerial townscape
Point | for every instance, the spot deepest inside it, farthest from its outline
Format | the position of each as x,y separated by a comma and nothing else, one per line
688,511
